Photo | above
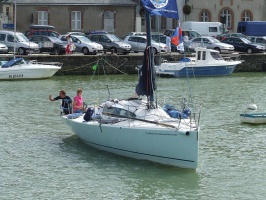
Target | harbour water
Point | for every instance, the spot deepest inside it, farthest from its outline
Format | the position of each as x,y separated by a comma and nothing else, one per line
42,159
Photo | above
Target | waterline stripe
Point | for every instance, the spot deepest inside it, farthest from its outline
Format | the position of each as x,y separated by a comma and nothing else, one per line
138,152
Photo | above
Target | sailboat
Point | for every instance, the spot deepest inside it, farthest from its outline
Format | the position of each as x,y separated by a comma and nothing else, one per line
138,127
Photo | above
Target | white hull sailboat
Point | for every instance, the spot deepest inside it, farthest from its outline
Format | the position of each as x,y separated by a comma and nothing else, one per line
18,68
140,128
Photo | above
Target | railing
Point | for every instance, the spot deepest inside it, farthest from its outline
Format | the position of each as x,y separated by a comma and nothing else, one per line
59,64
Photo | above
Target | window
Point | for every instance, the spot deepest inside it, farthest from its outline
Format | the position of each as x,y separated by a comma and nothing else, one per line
204,17
204,55
199,52
228,17
197,40
2,37
42,17
10,38
109,21
133,39
95,38
142,40
163,22
213,29
216,56
104,38
75,20
246,16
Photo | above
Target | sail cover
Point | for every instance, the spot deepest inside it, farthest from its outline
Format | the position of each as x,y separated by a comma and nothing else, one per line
166,8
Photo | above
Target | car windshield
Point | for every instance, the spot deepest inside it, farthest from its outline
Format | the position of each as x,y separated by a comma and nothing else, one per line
84,39
54,39
214,40
21,38
114,38
246,41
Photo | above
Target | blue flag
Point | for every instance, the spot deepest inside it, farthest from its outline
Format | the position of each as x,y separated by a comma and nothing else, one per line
166,8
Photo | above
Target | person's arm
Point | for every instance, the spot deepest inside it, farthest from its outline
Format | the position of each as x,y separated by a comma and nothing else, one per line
52,99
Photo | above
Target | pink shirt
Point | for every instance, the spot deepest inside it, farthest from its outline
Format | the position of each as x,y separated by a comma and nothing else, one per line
79,102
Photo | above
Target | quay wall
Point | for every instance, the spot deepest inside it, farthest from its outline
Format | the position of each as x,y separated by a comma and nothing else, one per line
116,64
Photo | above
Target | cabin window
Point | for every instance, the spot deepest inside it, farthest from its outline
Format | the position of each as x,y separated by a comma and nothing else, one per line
75,20
204,55
199,52
42,17
216,56
118,112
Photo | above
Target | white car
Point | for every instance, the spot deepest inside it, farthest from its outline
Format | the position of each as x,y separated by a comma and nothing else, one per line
138,43
18,41
212,43
83,44
3,48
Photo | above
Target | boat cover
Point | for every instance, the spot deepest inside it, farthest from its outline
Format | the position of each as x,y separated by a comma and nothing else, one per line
12,62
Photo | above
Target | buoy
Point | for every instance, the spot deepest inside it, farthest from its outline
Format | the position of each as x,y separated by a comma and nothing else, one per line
252,106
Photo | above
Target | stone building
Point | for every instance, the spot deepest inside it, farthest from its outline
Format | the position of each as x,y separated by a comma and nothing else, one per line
114,16
233,11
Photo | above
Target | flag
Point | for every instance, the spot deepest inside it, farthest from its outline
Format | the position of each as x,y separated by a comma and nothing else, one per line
94,67
176,38
166,8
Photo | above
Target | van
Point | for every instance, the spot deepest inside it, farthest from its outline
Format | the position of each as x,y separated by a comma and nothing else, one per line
252,28
205,28
18,40
191,33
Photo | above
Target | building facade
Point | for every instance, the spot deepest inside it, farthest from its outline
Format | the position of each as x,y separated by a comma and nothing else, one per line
231,11
114,16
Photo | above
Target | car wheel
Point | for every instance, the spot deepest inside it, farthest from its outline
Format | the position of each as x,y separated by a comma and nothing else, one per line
217,49
113,49
249,50
21,51
155,50
85,51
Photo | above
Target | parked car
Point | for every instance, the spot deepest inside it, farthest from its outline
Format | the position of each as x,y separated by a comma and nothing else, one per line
261,40
212,43
138,43
41,30
83,44
191,34
3,48
76,33
181,48
18,41
243,45
111,43
223,36
49,44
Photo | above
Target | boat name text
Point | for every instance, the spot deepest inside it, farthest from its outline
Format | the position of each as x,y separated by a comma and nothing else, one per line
15,76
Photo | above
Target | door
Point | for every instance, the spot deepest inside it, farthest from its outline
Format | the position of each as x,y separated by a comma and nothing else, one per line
10,42
133,41
106,42
141,44
77,44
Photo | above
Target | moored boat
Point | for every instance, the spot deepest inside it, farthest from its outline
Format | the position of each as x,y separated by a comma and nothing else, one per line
253,117
206,62
18,68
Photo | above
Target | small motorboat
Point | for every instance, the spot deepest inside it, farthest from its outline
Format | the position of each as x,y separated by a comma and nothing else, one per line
253,117
207,62
18,68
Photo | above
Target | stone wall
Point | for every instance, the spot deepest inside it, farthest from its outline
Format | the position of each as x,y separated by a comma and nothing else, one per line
118,64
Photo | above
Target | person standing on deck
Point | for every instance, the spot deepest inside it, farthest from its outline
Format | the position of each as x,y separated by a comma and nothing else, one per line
66,102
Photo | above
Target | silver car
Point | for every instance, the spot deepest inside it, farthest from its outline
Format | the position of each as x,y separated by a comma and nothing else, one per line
212,43
139,43
83,44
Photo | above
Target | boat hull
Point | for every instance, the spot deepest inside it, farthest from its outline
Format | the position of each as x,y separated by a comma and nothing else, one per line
253,118
28,72
169,147
200,71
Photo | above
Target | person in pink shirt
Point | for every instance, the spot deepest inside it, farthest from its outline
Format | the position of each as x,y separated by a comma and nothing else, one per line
78,102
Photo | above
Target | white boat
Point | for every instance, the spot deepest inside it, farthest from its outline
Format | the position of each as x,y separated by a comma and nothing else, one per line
139,128
207,62
253,117
18,68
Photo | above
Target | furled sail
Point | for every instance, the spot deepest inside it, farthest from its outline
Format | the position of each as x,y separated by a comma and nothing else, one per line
166,8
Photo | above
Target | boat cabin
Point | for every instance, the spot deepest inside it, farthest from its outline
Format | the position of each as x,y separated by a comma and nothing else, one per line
13,62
